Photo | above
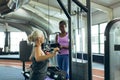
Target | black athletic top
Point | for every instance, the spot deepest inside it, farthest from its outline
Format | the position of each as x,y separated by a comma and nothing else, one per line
40,66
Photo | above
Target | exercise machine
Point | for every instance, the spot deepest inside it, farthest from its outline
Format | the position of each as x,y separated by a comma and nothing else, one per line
25,52
112,50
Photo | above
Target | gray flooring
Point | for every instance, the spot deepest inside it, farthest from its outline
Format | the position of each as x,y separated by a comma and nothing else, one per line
16,57
97,66
94,65
10,73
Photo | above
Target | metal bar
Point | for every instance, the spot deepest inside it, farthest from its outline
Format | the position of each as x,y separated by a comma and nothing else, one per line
64,9
23,66
70,42
9,42
78,20
81,5
99,38
89,40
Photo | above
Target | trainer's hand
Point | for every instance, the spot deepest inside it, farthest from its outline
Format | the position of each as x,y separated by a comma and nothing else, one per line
56,49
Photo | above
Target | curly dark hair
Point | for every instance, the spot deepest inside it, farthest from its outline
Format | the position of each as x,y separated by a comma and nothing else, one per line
62,22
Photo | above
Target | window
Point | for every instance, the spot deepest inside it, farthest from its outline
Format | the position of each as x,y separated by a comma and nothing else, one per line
94,33
97,33
16,37
80,40
2,40
102,30
52,38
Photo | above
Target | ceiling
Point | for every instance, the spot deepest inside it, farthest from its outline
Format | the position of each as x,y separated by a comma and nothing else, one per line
39,12
53,9
108,3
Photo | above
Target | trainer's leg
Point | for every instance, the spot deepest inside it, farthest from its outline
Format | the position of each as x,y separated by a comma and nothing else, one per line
60,61
66,64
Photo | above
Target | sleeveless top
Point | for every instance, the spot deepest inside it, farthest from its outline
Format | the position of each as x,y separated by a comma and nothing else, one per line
40,66
63,41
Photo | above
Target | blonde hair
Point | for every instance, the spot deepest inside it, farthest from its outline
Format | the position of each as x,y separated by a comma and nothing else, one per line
34,35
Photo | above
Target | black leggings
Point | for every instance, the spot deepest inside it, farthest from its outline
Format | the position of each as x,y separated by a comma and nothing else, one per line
36,75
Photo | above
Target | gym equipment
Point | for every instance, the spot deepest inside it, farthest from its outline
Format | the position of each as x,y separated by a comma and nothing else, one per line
55,73
50,46
112,50
79,64
25,52
87,9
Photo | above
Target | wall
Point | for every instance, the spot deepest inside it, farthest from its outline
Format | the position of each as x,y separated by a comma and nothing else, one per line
116,12
99,18
103,17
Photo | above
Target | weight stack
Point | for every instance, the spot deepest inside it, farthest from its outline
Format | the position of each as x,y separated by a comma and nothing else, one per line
79,71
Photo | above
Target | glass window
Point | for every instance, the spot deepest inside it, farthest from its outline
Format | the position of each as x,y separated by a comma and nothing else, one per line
94,30
102,48
94,37
52,38
102,27
80,40
95,48
97,35
2,40
102,38
16,37
102,30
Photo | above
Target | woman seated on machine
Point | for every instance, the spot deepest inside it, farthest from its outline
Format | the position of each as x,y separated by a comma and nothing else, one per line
38,57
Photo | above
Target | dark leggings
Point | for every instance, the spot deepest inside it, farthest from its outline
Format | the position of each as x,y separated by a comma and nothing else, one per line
36,75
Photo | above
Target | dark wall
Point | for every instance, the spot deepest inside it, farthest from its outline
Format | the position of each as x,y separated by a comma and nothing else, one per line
99,58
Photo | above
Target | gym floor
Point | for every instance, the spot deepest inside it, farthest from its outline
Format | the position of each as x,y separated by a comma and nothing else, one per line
98,70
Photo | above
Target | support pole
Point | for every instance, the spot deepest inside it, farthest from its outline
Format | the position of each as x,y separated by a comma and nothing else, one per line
70,38
7,41
89,40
